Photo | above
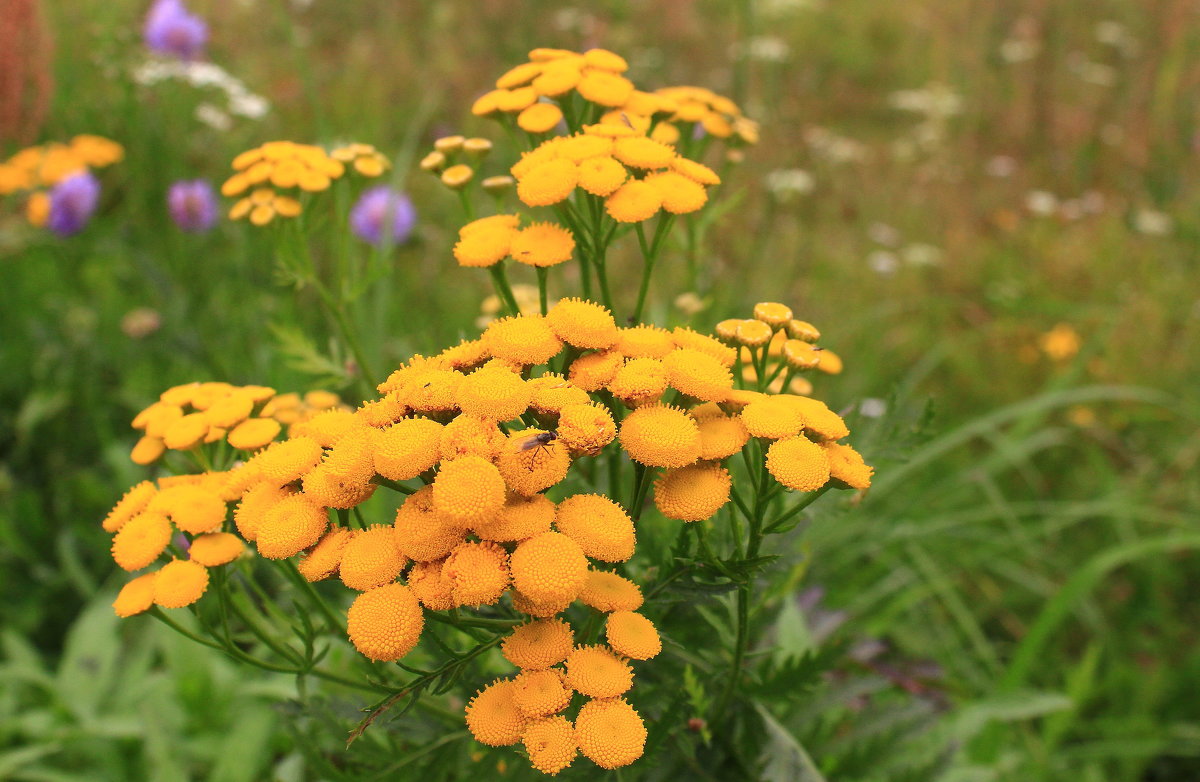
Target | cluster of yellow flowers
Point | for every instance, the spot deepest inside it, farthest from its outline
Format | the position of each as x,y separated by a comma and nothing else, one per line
286,165
475,436
454,158
36,168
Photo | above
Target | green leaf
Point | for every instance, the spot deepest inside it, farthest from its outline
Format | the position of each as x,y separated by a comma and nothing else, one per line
783,757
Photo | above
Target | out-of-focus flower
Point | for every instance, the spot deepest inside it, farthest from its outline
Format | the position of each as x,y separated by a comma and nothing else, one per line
1152,222
1015,50
883,262
882,233
920,254
787,183
193,205
240,101
213,117
933,100
72,202
832,147
383,215
872,407
140,323
689,303
1060,343
1001,166
170,29
1041,202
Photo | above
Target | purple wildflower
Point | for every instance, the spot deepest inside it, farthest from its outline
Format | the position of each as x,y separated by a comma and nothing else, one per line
170,29
193,205
383,215
72,202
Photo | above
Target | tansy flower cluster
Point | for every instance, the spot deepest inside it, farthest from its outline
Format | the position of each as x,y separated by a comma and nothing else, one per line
61,191
454,160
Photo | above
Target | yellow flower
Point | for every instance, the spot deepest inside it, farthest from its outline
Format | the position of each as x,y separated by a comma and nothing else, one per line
431,390
471,435
539,609
140,540
633,202
541,693
597,672
136,596
698,374
519,75
679,194
549,568
581,147
147,450
253,433
550,743
478,573
645,341
697,172
193,509
692,493
256,503
605,60
586,427
639,382
426,582
530,469
753,333
721,436
422,533
371,558
818,418
468,354
599,525
846,466
584,324
468,489
385,623
773,417
594,371
830,363
800,355
457,176
538,645
493,393
611,130
513,101
520,518
542,153
632,635
552,392
604,88
547,183
293,524
773,313
601,176
539,118
610,733
493,717
180,583
542,244
686,338
186,432
605,591
523,339
37,209
131,503
642,152
488,103
448,145
798,463
661,436
287,461
215,549
322,560
558,77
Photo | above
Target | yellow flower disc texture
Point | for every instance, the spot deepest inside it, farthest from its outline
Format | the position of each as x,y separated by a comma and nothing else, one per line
604,88
519,519
478,573
385,623
586,428
722,436
493,393
680,195
549,568
493,717
798,463
847,466
322,560
632,635
660,436
541,693
180,583
186,432
407,448
371,558
193,509
645,342
773,418
610,733
538,645
523,339
141,540
605,591
542,245
426,582
136,596
422,533
133,502
215,549
468,489
595,370
601,176
292,525
692,493
642,152
551,744
548,183
253,433
539,118
633,202
599,525
597,672
529,466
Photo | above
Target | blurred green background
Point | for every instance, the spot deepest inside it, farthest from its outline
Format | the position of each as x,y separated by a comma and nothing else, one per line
940,185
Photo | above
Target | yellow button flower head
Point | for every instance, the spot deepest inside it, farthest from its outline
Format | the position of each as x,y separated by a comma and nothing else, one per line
597,672
547,183
551,744
422,533
773,417
642,152
801,355
322,560
539,118
541,693
406,449
605,60
801,329
253,433
371,558
798,463
520,518
698,374
586,428
558,77
469,435
552,392
541,610
846,466
581,147
381,413
594,371
523,339
468,489
697,172
518,76
493,393
287,460
487,104
644,341
633,202
661,436
140,540
600,526
180,583
584,324
773,313
721,436
818,418
327,427
493,717
680,195
604,87
639,382
605,591
426,581
528,465
385,623
133,502
136,596
549,568
538,645
192,508
431,391
753,333
542,245
610,733
478,573
231,410
830,363
292,525
255,504
632,635
186,432
468,354
457,176
332,489
215,549
686,338
601,176
692,493
485,241
513,101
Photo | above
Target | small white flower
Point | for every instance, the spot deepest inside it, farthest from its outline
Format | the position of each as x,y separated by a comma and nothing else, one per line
920,254
872,408
213,117
882,233
1001,166
1041,202
787,183
1152,222
883,262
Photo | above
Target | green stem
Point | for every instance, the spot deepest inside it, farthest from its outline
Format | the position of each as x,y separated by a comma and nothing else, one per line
503,289
787,516
542,273
393,485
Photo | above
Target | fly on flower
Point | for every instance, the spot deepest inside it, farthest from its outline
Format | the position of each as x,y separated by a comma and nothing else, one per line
538,441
